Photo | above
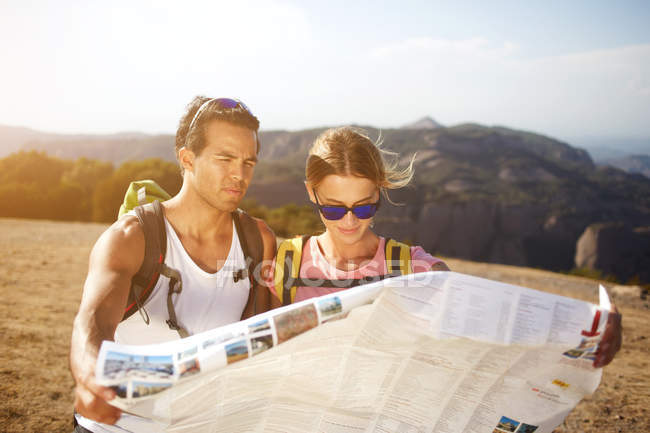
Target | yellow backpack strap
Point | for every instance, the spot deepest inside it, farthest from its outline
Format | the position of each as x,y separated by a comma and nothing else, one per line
287,269
398,257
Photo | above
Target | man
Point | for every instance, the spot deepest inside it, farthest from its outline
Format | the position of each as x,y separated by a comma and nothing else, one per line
216,145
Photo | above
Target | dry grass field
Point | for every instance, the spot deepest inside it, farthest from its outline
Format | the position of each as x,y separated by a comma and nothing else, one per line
42,268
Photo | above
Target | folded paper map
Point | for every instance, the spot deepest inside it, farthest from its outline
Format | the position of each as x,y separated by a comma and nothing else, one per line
433,352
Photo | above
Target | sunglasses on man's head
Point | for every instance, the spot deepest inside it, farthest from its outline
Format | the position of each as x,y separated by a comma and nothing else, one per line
231,103
221,103
363,211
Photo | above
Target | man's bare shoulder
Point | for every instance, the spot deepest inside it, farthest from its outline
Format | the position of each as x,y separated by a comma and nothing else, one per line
125,232
121,246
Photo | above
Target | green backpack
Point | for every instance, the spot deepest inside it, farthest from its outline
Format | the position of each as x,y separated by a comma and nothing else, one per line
142,192
143,198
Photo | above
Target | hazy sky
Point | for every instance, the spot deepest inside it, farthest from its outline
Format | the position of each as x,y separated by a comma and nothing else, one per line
562,68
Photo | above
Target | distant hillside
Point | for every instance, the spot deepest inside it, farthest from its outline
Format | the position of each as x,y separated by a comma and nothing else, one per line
602,149
423,123
115,148
632,164
12,138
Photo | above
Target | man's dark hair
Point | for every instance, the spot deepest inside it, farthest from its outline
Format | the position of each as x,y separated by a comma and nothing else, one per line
194,139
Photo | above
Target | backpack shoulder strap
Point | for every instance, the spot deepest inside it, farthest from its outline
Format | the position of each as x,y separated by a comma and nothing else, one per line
252,246
249,236
151,219
287,268
398,257
175,287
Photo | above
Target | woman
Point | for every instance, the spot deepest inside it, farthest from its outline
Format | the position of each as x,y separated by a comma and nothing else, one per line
347,177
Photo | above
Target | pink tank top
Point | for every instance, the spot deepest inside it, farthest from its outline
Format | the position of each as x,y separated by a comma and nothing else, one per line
314,266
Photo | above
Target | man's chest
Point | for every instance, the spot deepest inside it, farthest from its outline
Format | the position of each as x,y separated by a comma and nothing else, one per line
209,256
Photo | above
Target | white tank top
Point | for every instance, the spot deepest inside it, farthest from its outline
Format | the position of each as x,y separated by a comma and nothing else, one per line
206,302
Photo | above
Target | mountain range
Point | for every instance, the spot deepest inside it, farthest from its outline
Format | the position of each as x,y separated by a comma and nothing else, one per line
490,194
125,146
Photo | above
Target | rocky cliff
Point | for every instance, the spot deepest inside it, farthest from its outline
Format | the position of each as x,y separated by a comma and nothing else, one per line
615,248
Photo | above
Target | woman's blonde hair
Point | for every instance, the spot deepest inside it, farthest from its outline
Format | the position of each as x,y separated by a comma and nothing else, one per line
349,151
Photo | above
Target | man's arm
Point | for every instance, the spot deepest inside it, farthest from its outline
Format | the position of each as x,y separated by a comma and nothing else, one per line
114,260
